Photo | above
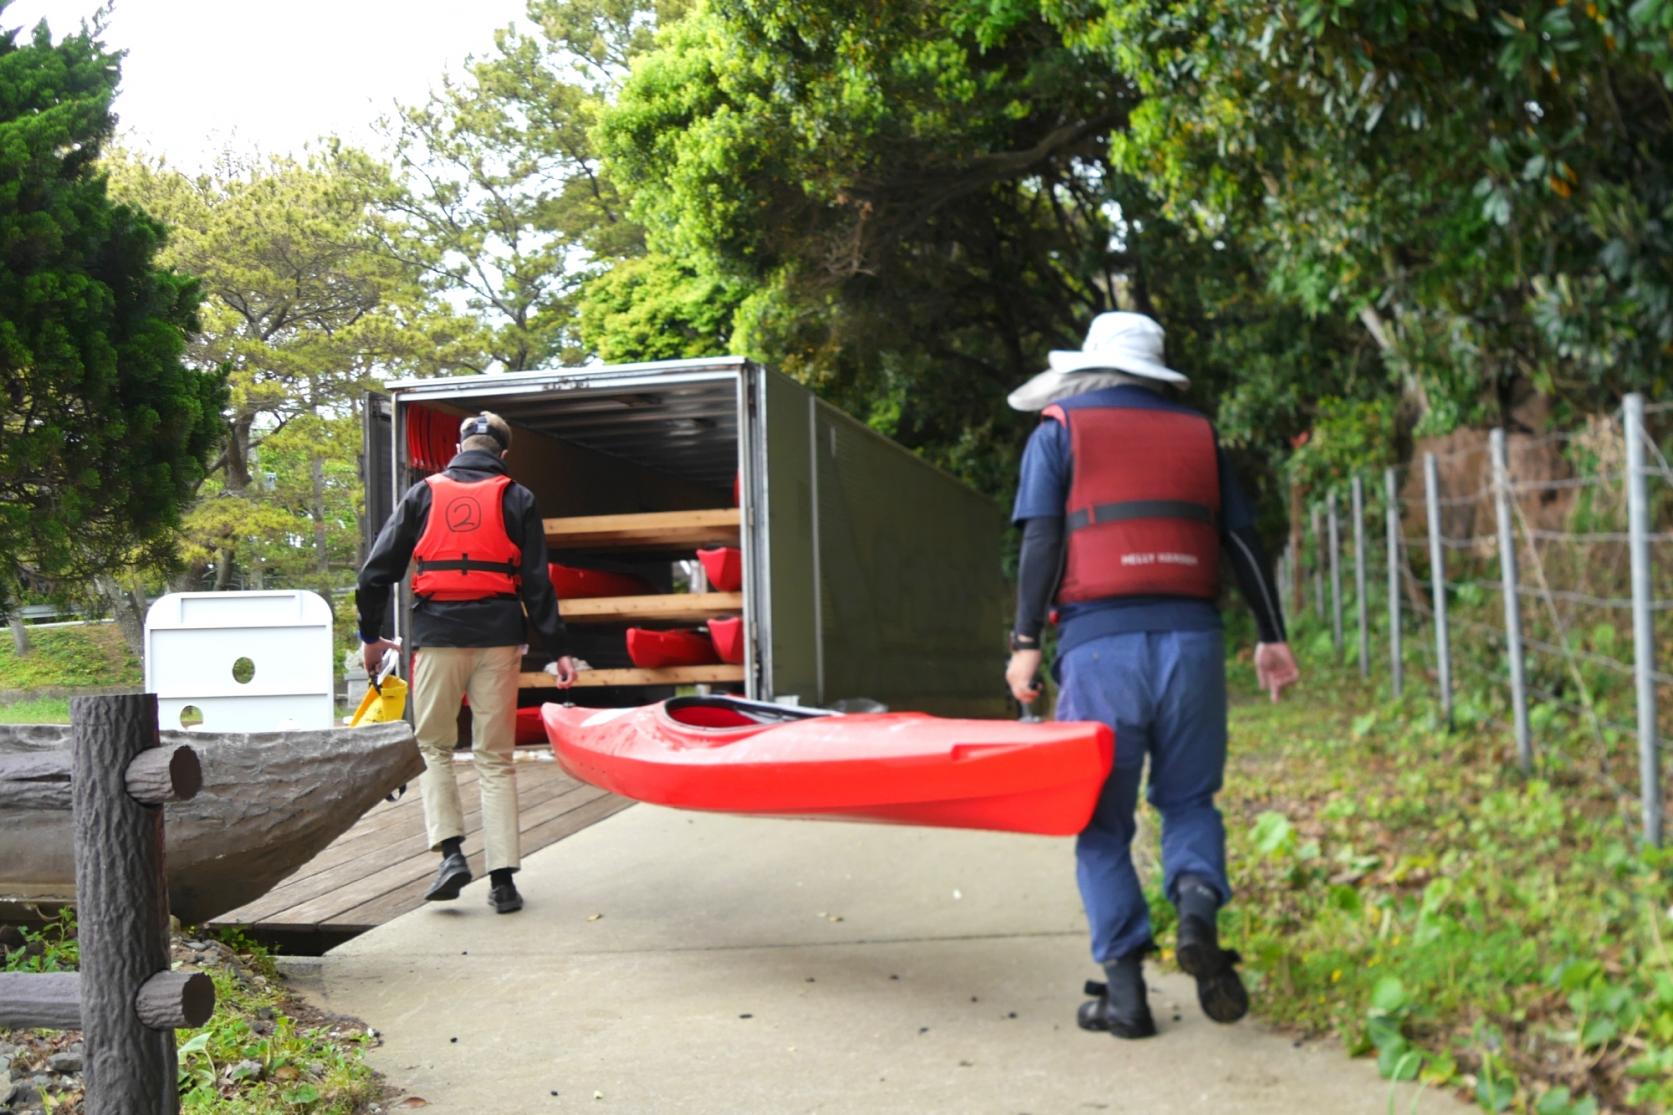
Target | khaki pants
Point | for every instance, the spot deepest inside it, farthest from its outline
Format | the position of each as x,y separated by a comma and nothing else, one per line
488,675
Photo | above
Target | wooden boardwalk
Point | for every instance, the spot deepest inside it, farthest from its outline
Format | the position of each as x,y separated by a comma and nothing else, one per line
380,868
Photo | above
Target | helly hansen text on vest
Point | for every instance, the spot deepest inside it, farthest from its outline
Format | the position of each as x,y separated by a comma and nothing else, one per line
1144,504
465,552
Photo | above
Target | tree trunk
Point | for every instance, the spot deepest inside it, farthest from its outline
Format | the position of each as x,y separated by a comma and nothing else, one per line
238,454
1411,389
1298,585
127,605
316,469
20,635
223,569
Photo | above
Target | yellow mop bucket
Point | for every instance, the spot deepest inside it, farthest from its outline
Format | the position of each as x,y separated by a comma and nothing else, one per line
386,696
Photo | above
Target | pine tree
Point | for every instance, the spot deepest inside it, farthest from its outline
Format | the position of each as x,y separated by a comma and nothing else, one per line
104,430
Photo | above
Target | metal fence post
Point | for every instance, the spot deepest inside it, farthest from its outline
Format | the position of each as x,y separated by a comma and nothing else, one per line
1391,515
1335,575
1513,607
1280,567
1643,633
1437,578
1359,576
1318,564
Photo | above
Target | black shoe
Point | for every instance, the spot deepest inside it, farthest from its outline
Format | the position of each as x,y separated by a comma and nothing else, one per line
505,899
1119,1007
1220,990
451,878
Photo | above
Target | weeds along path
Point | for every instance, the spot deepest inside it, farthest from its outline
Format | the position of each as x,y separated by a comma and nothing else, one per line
1406,889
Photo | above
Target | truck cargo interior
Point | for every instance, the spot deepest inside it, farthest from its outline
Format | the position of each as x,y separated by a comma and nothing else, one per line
613,469
838,569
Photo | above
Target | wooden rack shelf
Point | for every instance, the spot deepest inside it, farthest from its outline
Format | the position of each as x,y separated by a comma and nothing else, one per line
657,530
677,607
674,675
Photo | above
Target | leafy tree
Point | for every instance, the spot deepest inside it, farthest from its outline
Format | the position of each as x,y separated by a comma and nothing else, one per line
302,308
106,428
655,308
1484,188
903,203
497,197
914,202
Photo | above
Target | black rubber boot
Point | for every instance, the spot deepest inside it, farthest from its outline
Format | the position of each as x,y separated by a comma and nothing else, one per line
1220,990
1120,1007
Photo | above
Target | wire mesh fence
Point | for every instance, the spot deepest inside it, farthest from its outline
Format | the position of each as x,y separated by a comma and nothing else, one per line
1520,574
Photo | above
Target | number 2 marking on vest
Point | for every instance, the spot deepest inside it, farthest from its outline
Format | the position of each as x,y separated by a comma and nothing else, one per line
463,515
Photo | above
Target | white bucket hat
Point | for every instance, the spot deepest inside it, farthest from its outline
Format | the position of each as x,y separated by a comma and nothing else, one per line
1122,342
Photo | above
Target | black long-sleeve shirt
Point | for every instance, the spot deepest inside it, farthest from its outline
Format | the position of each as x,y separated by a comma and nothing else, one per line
491,622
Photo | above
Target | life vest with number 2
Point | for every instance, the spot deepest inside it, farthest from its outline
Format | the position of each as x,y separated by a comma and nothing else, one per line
1143,513
465,552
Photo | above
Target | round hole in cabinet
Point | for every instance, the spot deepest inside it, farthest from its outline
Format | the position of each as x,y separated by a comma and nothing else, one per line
191,716
243,670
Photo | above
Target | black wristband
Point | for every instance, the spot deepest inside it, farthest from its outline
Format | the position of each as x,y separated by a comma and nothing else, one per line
1024,642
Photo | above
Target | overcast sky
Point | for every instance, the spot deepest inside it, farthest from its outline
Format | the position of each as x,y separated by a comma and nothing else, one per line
271,75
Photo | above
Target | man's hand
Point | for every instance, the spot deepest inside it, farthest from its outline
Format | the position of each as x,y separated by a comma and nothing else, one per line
1275,668
371,654
563,670
1020,674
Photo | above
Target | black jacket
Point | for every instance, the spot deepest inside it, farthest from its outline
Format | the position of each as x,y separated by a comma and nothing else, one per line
494,622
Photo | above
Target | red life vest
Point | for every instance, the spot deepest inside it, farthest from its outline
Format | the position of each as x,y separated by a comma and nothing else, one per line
1144,504
465,552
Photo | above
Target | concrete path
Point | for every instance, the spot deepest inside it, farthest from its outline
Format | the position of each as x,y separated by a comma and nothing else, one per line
673,962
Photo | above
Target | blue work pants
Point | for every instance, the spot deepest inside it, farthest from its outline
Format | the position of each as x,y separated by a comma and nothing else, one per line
1164,693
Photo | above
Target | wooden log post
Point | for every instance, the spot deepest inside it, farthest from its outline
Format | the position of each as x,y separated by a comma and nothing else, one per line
49,1000
52,1000
176,1001
41,779
122,904
35,780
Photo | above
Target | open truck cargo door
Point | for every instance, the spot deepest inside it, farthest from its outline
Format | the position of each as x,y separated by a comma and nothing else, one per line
884,571
866,573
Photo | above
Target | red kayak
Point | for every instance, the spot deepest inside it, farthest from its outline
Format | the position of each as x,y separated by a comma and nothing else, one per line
724,566
529,726
734,756
728,638
572,582
653,650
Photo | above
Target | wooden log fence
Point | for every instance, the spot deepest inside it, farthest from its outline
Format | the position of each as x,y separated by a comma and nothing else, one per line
125,1000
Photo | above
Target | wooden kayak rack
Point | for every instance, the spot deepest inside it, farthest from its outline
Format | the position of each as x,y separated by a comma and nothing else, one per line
673,675
648,533
655,530
675,607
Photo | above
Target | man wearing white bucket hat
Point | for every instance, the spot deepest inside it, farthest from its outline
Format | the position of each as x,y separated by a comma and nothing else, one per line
1126,504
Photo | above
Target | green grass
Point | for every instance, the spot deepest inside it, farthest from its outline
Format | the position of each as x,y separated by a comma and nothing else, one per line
253,1058
89,654
1405,888
257,1054
36,710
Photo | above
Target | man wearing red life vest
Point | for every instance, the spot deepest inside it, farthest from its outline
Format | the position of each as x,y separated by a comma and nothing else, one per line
1126,505
476,539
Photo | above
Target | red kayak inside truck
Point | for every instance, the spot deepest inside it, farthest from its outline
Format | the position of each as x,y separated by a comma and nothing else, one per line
728,755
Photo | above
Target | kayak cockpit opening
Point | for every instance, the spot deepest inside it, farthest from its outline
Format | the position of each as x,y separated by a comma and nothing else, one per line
732,712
